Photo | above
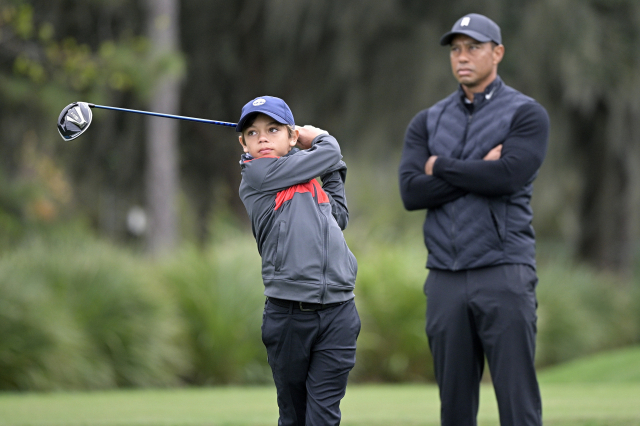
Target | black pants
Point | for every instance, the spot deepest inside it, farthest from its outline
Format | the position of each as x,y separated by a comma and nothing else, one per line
311,355
484,312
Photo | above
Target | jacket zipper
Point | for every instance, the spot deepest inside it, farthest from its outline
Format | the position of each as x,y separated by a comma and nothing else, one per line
325,254
453,210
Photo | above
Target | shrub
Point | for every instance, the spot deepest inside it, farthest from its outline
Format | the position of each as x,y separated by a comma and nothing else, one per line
392,345
582,311
41,346
76,313
97,310
220,294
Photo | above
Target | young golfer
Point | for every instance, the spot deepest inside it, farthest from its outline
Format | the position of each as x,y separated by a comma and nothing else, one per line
310,323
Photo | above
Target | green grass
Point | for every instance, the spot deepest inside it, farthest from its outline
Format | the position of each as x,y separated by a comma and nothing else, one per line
620,366
601,390
371,405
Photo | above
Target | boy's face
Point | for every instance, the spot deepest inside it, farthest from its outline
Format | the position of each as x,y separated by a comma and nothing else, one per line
267,137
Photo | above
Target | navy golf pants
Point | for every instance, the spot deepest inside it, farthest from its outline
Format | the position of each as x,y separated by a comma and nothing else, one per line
484,312
311,355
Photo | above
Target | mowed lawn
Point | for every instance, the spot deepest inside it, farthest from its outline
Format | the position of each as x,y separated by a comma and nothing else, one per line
572,395
564,404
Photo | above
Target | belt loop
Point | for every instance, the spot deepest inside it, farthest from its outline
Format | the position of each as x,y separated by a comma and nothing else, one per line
291,308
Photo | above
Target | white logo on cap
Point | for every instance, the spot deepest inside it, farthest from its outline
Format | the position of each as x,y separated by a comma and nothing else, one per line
465,21
259,102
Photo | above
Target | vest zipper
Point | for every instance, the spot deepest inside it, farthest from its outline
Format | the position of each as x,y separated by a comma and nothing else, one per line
453,210
466,130
453,238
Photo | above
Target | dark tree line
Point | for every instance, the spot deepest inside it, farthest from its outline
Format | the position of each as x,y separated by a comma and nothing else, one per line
361,69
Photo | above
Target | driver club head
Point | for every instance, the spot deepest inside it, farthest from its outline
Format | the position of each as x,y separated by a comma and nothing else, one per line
74,120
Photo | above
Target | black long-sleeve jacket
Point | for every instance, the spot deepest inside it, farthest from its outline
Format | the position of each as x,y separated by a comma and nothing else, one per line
478,212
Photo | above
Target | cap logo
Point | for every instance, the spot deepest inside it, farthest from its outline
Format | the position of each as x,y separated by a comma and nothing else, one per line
259,102
465,21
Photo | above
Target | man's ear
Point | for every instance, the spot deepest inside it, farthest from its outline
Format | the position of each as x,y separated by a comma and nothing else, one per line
498,53
242,144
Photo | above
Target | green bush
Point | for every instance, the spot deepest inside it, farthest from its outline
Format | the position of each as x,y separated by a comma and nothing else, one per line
77,313
220,294
392,345
582,311
41,345
82,314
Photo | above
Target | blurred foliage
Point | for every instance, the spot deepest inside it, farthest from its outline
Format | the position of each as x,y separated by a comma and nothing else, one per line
359,69
37,199
219,292
81,314
392,345
51,56
581,310
76,313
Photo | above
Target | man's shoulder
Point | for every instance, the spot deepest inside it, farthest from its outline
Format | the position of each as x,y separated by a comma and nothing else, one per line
523,103
518,96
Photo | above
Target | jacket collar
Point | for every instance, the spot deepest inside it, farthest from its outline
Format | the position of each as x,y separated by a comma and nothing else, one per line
483,97
248,157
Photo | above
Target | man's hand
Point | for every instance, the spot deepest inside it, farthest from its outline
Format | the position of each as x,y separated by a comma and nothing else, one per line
428,167
494,154
307,134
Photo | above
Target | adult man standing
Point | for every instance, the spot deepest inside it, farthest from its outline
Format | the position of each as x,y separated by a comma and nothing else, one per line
470,160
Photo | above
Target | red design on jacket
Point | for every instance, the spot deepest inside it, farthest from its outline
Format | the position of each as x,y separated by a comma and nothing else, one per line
312,186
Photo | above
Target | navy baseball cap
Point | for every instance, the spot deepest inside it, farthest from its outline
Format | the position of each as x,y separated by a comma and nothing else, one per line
274,107
476,26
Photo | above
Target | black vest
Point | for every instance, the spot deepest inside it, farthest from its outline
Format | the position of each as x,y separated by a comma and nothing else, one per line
476,231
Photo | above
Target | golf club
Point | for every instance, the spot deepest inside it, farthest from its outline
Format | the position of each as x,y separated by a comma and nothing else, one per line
76,118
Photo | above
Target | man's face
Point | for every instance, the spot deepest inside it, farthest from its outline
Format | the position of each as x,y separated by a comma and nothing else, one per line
266,137
474,64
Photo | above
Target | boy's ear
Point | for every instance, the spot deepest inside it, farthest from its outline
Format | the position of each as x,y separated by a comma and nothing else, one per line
294,138
242,144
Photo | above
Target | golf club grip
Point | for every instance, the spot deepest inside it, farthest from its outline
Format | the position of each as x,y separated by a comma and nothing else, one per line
158,114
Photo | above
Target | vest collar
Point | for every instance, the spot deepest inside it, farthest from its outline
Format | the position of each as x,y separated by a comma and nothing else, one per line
483,97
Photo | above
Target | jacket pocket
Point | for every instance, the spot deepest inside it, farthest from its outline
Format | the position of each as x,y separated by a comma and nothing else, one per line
342,266
499,217
280,245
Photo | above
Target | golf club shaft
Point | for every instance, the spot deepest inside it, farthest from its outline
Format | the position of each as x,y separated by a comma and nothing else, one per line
157,114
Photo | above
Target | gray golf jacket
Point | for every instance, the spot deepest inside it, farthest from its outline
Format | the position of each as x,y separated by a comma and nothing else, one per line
298,224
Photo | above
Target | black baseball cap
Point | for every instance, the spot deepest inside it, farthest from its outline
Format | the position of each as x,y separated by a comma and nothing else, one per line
274,107
476,26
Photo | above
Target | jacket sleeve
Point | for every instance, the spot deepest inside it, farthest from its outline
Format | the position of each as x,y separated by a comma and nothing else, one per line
333,184
417,189
522,154
273,174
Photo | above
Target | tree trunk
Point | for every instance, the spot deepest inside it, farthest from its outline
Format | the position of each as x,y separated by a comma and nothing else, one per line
606,209
162,134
